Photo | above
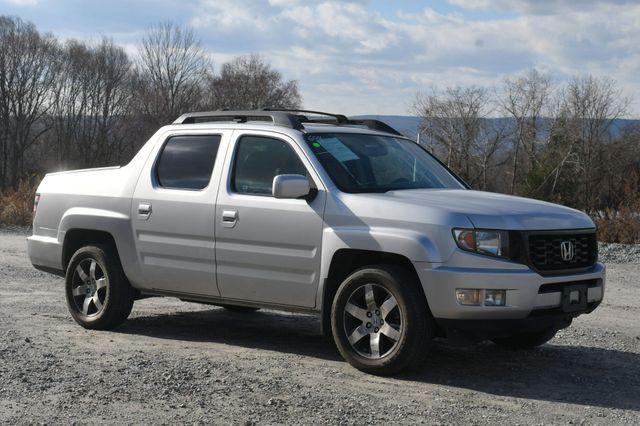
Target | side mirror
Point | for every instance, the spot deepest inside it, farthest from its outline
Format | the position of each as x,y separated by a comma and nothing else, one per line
290,186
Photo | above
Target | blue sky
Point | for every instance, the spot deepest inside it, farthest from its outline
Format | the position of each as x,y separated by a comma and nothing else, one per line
371,56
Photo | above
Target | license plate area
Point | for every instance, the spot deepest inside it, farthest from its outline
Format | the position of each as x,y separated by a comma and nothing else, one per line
574,298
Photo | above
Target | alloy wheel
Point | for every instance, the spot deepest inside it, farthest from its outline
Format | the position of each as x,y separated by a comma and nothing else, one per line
89,289
372,321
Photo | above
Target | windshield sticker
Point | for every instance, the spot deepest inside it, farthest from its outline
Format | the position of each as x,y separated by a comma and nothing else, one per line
338,150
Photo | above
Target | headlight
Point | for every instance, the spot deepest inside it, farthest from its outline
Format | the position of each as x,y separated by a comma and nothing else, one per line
483,241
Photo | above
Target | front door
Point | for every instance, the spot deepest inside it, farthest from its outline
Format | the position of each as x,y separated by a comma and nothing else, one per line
267,249
173,214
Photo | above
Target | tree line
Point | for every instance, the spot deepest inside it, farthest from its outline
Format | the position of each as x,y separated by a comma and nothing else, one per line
562,142
73,104
70,104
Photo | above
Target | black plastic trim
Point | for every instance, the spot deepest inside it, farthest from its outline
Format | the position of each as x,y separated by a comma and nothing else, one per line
475,330
558,287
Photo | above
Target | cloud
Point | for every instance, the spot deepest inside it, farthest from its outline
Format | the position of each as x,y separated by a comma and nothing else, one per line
536,6
377,61
363,56
23,2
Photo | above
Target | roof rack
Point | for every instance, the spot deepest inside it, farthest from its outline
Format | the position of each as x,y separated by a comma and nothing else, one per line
341,120
292,118
278,118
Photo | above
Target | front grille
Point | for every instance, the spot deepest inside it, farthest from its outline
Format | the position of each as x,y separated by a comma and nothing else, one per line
545,253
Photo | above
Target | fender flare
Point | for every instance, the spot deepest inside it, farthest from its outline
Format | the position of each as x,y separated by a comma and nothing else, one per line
117,224
409,244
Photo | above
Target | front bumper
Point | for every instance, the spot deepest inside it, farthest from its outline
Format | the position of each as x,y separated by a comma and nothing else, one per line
527,292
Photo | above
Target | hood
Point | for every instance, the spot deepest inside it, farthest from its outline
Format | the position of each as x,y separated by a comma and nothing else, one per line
496,211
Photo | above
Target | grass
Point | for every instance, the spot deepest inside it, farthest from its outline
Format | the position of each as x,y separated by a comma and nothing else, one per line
16,205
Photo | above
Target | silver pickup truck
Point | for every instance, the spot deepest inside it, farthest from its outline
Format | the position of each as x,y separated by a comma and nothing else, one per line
319,213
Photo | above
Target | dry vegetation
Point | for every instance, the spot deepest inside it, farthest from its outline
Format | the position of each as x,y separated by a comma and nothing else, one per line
619,226
16,205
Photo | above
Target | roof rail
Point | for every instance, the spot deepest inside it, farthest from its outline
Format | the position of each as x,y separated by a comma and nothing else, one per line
292,118
375,125
341,120
278,118
338,117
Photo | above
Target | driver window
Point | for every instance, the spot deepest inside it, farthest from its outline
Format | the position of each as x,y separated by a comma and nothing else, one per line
258,160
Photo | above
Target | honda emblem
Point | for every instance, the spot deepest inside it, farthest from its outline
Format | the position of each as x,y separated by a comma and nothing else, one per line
566,251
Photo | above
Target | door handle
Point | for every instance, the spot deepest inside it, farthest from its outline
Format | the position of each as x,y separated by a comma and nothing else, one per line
144,211
229,218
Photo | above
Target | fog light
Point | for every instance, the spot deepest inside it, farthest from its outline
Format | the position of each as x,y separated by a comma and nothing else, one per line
468,296
495,297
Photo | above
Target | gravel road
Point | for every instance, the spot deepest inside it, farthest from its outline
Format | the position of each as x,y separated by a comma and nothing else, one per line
178,362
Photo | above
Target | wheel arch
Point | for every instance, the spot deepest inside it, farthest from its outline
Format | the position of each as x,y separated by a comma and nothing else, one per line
99,225
77,238
346,260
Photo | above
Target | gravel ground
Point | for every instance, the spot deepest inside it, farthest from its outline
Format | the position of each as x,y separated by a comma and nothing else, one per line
178,362
619,253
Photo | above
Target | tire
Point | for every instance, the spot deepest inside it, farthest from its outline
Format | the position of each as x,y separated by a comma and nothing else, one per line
526,340
413,327
240,309
98,293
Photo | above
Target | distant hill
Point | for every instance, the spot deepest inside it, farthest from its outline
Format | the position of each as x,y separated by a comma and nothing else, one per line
408,124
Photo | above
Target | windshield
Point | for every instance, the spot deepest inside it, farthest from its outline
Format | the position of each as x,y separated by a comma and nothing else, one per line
373,163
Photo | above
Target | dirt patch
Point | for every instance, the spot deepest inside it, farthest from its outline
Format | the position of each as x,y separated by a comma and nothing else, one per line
178,362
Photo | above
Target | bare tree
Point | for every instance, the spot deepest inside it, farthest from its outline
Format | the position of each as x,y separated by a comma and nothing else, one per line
494,137
115,95
28,69
248,82
172,71
92,97
6,27
454,122
524,99
591,106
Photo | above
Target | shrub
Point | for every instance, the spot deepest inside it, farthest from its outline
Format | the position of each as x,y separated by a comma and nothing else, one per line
16,205
619,226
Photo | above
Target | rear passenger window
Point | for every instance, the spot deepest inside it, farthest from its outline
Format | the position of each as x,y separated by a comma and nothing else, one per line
258,160
186,162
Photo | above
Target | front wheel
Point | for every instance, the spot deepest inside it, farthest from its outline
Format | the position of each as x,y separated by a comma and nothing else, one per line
99,295
526,340
380,320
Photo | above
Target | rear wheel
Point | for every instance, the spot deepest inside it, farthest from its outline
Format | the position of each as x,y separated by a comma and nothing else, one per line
380,320
240,309
99,295
526,340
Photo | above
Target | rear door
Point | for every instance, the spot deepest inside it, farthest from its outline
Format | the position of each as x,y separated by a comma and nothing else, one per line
267,249
173,213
